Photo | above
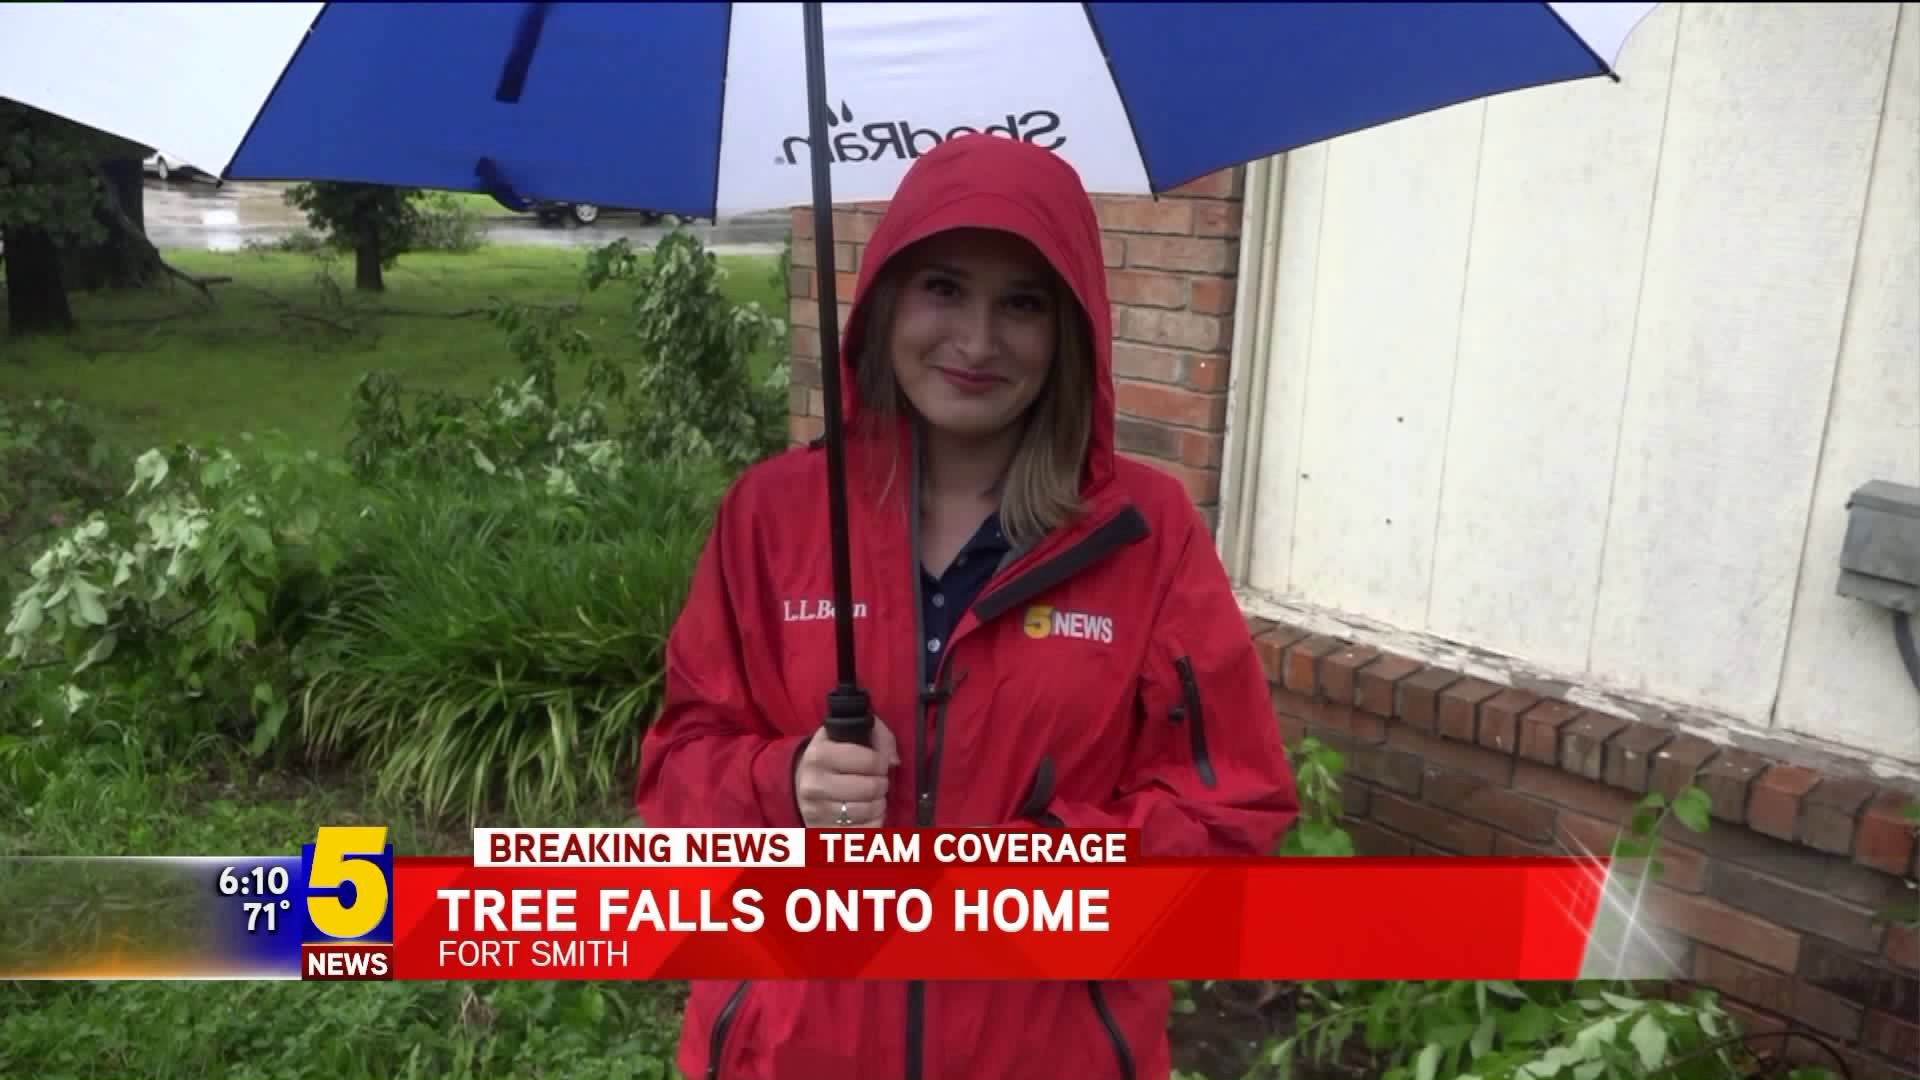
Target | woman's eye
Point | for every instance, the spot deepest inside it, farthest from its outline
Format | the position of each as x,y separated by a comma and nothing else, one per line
940,286
1029,304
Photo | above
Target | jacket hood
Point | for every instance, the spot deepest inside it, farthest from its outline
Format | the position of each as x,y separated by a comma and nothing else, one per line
993,182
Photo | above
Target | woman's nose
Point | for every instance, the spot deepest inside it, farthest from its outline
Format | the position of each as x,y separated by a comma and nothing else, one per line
973,331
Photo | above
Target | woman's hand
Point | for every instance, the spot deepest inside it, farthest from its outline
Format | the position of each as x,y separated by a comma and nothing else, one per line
845,784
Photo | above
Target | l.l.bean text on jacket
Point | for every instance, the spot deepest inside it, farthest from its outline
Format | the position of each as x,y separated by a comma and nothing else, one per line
809,610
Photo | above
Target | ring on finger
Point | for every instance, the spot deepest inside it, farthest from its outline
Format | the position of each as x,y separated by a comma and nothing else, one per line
845,818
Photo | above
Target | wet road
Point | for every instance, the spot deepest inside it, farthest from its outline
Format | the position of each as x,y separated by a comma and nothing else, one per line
197,215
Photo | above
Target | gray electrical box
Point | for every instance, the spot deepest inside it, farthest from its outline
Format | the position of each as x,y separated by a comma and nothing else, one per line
1880,557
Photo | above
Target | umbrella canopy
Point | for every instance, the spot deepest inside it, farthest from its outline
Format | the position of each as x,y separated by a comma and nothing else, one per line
697,109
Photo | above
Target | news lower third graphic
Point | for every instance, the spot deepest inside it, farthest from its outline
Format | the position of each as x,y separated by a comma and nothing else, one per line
642,903
323,913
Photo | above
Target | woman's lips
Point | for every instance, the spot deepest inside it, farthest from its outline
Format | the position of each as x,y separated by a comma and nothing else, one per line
969,381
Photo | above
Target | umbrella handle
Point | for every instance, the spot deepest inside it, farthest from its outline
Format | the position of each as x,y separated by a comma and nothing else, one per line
849,716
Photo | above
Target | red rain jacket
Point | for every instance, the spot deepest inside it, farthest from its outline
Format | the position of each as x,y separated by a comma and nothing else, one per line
1153,714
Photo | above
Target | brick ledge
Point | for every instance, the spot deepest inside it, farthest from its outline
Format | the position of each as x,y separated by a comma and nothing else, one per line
1359,688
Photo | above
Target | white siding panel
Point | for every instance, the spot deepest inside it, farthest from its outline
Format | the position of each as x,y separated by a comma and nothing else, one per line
1393,243
1843,680
1578,380
1566,183
1291,318
1770,131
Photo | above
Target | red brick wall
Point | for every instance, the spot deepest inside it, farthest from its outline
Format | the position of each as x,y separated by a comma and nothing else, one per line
1774,905
1171,267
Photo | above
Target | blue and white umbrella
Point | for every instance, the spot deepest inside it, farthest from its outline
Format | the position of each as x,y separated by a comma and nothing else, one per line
700,109
704,109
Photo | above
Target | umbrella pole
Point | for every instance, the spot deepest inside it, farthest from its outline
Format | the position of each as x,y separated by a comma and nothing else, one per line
849,713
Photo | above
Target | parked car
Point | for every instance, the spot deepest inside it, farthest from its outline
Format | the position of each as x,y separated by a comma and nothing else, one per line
583,213
166,166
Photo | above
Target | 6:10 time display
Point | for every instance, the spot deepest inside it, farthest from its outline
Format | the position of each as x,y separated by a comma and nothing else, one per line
259,881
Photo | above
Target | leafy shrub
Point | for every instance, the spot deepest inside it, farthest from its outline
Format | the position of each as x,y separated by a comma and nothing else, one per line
1317,768
695,392
53,470
444,223
195,584
502,624
675,380
461,632
474,603
499,634
30,754
297,242
520,430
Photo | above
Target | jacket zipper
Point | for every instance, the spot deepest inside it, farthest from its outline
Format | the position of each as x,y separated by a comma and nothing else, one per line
1125,527
1190,709
1120,1048
923,779
717,1044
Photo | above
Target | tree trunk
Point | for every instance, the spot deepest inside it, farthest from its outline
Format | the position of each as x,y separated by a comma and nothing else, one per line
118,261
366,267
36,293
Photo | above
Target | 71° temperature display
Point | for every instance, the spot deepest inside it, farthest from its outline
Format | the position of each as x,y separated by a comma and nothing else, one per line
263,881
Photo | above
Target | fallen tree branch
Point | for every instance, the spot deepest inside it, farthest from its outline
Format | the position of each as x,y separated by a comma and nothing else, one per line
468,313
138,238
146,320
283,303
293,314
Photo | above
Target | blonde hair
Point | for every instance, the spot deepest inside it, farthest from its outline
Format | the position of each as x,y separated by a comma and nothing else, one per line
1040,491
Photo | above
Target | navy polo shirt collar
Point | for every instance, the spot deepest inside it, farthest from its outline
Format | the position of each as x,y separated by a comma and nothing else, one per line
945,598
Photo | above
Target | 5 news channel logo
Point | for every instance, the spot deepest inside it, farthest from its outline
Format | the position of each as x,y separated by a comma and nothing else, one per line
348,871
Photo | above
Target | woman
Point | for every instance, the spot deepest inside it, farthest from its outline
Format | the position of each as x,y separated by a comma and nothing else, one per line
1044,627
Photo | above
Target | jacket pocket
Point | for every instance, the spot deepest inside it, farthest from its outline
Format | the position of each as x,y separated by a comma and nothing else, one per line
723,1023
1098,997
1191,711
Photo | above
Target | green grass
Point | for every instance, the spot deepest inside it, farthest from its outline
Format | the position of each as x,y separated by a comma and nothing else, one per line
280,350
487,206
476,203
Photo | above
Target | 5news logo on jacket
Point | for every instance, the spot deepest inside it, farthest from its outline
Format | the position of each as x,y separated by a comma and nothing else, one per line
348,932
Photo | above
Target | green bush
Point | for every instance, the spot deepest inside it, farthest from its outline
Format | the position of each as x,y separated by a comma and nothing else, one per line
54,469
473,605
462,634
491,635
686,375
297,242
444,223
181,604
29,754
695,391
